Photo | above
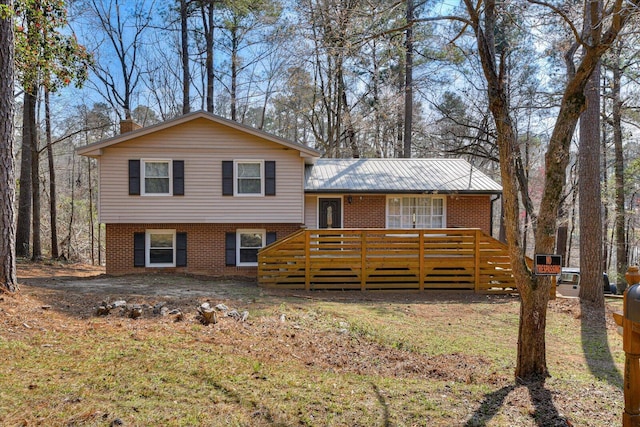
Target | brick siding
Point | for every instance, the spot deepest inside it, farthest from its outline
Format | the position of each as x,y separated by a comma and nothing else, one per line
205,247
469,212
206,242
369,211
365,211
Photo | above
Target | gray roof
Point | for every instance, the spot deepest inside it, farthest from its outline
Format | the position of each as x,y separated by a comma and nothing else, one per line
397,176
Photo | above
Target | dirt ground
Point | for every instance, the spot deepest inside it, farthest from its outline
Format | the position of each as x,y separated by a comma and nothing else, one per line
75,290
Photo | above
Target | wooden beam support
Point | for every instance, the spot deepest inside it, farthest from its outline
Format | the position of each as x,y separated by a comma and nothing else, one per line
478,236
307,260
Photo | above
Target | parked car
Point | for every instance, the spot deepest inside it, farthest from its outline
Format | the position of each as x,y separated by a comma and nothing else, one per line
568,283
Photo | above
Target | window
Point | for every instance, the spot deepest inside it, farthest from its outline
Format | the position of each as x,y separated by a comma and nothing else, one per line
156,176
249,178
161,248
242,246
248,244
415,212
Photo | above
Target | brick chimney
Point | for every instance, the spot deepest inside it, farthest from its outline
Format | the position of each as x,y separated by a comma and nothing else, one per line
128,125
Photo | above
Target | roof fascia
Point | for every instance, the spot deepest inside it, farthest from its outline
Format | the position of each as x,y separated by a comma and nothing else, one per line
413,192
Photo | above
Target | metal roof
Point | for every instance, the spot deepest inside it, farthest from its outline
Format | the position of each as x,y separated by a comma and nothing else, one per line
397,175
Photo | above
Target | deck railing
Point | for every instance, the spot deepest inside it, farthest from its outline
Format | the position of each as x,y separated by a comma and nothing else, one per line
419,259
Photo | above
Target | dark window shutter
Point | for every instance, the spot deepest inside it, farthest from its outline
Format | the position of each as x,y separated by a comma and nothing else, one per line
271,237
227,178
178,177
230,248
181,249
134,177
138,249
270,178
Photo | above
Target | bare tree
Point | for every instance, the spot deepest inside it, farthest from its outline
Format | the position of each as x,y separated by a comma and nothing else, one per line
184,56
207,9
49,58
8,279
122,33
25,199
408,85
53,209
535,290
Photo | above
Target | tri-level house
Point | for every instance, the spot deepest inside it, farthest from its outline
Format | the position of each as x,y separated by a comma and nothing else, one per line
201,194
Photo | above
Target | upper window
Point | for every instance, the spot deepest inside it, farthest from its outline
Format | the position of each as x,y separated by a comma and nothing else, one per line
156,177
249,242
160,248
249,178
415,212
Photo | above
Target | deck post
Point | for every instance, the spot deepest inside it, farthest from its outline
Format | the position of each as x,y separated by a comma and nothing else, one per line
421,259
477,260
307,260
363,260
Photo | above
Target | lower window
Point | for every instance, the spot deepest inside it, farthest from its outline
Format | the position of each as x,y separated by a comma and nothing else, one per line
161,248
248,243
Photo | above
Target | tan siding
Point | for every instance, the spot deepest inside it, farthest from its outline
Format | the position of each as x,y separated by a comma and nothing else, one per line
311,211
203,146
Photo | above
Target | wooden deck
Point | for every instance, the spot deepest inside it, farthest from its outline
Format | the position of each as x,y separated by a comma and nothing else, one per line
399,259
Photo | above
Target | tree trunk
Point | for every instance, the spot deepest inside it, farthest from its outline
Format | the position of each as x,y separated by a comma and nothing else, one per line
234,73
91,224
589,201
207,23
68,240
408,86
604,187
398,150
8,279
36,250
622,259
23,231
561,243
53,201
534,290
186,76
531,362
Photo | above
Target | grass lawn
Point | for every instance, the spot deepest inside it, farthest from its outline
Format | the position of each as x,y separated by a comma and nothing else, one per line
300,359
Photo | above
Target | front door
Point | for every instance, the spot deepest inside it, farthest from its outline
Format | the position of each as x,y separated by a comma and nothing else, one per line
330,213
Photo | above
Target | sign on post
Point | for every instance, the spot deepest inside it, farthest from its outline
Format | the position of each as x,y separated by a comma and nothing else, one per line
547,265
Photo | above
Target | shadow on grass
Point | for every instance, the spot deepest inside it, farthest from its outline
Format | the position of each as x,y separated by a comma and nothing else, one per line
595,345
545,413
489,407
383,405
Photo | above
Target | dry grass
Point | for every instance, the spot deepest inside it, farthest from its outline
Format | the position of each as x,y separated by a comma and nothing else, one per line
314,359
